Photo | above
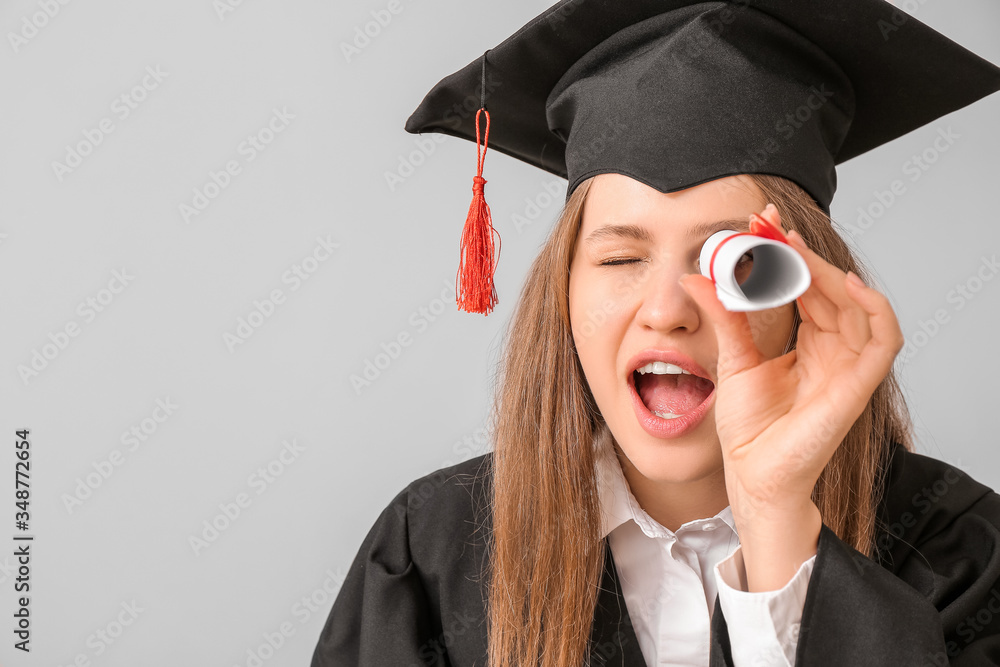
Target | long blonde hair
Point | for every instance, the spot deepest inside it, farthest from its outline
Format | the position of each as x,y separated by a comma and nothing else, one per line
546,552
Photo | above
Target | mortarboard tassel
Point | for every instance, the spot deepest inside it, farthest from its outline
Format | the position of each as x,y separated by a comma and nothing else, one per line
474,290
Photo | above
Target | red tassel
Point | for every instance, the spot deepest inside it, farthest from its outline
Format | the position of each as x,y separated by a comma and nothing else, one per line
475,292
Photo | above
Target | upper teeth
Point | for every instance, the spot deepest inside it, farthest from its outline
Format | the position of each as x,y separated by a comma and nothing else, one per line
661,368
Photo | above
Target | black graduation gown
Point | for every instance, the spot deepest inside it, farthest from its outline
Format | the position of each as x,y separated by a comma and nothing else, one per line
931,596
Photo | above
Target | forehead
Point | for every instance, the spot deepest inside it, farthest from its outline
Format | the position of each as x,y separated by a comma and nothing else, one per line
614,197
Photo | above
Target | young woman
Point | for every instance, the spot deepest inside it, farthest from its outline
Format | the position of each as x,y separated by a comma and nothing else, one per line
671,482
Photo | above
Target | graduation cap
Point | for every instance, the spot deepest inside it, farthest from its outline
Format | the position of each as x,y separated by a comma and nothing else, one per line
675,93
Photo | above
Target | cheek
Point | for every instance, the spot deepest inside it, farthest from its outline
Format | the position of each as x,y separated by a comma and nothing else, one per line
584,303
596,308
597,320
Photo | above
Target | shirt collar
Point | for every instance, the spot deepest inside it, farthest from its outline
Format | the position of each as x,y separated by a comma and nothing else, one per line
618,504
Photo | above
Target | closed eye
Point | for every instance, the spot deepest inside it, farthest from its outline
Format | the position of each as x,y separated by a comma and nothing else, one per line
620,261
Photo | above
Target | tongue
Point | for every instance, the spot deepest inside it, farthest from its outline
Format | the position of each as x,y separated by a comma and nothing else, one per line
677,394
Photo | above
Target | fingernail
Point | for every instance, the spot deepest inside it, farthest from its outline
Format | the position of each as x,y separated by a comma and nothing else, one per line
852,277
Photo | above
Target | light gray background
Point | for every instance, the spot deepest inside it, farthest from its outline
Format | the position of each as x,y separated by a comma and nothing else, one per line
324,175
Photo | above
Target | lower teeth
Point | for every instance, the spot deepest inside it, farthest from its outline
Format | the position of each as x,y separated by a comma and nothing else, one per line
666,415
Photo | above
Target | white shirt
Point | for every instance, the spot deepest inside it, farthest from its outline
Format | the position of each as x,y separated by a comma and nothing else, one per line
670,581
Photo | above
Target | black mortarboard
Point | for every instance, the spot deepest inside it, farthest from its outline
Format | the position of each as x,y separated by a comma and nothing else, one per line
674,93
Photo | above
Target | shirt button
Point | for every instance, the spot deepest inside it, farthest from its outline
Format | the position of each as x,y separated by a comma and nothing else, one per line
708,526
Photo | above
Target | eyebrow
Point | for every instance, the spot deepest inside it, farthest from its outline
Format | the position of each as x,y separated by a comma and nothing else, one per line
639,233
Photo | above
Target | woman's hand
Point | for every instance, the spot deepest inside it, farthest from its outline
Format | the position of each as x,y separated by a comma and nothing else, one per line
780,420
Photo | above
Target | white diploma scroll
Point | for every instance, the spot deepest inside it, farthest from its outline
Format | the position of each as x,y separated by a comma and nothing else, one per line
779,274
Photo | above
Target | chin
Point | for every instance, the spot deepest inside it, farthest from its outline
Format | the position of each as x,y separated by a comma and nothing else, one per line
694,456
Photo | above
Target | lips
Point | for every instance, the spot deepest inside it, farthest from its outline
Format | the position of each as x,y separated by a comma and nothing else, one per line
673,385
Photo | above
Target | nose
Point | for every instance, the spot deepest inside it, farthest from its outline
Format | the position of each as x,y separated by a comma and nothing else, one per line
664,305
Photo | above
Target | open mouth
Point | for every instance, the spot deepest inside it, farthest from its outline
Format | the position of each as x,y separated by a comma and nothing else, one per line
668,391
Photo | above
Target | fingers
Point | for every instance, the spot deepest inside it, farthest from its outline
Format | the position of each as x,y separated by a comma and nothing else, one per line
737,350
827,301
886,340
838,302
